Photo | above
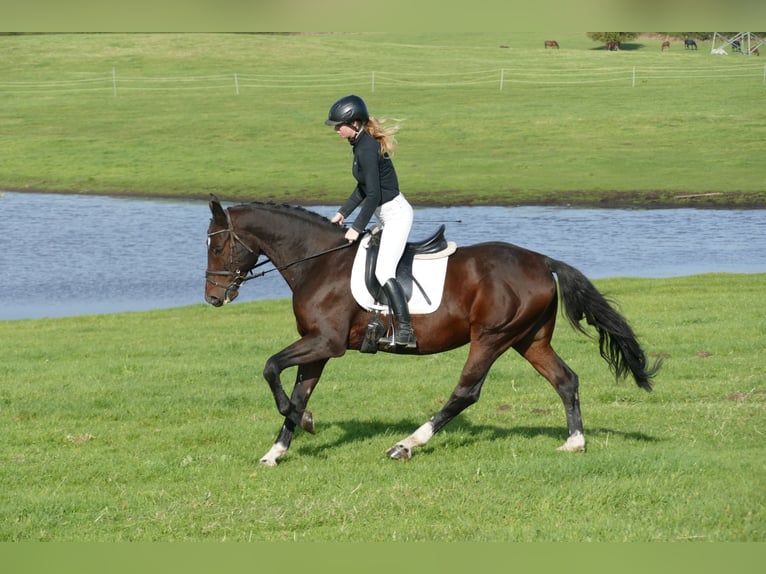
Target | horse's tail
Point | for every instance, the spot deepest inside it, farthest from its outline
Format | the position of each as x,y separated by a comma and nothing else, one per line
616,341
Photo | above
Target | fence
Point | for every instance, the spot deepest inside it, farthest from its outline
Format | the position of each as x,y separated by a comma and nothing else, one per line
502,78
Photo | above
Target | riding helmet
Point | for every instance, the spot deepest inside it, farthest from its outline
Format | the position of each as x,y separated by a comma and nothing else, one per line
347,110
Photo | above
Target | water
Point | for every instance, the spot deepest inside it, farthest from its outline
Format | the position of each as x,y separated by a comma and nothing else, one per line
74,254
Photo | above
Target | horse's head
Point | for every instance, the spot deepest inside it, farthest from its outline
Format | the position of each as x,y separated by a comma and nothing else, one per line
228,257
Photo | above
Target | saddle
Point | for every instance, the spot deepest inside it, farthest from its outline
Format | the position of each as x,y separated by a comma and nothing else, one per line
434,244
436,248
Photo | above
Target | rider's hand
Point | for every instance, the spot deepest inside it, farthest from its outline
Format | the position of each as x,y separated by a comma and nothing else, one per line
338,218
352,235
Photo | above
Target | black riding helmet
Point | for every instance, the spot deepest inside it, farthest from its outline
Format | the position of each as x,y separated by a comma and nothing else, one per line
346,110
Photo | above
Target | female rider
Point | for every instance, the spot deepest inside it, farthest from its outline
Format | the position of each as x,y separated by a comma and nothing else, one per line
377,191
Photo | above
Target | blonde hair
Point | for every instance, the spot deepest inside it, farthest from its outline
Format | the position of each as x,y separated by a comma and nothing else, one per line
384,134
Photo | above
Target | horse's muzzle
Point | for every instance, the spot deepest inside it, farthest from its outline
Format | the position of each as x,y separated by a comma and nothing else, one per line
229,291
228,296
214,301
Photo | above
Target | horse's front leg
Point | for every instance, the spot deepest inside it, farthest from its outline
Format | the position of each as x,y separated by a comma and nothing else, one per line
296,354
306,380
310,354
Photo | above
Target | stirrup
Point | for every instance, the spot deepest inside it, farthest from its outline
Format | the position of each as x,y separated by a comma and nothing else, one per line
405,338
376,330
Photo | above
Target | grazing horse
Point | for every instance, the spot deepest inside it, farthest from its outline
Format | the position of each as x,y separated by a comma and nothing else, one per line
755,51
496,296
690,44
665,44
551,44
613,46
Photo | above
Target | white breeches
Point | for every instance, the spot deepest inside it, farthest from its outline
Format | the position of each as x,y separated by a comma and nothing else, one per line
395,219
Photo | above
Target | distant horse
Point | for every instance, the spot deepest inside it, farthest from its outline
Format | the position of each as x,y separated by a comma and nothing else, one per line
755,51
665,44
690,44
613,46
496,296
736,46
551,44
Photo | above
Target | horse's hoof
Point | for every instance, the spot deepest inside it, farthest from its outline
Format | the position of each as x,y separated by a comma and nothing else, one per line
307,422
267,462
575,443
399,452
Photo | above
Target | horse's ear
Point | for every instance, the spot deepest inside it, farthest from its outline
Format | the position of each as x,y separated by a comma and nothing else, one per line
219,215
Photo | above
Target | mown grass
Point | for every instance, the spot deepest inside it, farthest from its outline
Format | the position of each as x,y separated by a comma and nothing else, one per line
569,125
148,426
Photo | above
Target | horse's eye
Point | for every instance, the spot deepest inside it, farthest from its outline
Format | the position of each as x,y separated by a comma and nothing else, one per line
216,250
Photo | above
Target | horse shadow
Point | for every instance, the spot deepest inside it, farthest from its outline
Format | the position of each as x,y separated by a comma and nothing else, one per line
462,433
624,47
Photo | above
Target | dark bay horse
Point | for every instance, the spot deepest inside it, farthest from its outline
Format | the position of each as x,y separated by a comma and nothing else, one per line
497,296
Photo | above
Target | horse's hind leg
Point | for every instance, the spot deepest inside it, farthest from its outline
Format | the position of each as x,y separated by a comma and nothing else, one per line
566,382
305,381
465,394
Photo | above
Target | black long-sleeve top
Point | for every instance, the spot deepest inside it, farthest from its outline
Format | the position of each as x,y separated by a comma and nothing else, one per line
376,180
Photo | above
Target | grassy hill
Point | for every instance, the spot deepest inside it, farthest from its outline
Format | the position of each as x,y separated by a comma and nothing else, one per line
486,117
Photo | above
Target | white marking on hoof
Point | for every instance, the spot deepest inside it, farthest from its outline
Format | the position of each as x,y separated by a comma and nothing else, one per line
399,452
275,453
420,436
403,449
575,443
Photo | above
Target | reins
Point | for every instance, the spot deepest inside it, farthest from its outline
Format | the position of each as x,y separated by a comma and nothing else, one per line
281,268
239,278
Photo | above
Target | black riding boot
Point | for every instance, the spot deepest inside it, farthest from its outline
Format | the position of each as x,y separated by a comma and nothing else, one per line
403,334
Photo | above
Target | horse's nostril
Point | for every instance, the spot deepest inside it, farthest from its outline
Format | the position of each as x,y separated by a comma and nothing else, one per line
214,301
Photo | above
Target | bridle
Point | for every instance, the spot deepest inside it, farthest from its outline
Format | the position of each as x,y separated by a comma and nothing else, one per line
238,277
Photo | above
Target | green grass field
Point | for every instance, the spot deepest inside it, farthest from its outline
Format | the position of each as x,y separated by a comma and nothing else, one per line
148,427
160,114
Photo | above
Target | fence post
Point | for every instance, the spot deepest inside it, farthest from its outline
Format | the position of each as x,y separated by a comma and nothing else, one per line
634,77
502,77
114,82
236,83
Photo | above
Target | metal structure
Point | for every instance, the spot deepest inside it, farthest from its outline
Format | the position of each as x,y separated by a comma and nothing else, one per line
746,43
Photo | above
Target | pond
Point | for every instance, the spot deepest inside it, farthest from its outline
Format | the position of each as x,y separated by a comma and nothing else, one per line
68,255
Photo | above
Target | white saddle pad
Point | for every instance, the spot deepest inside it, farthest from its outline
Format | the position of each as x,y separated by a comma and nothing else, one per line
429,270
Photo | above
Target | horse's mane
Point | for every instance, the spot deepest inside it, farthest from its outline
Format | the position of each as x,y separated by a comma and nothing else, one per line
299,212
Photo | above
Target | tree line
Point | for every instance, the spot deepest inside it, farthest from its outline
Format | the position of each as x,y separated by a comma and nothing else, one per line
619,37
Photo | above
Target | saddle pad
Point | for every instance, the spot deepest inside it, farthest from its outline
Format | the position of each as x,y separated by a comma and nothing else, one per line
429,271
